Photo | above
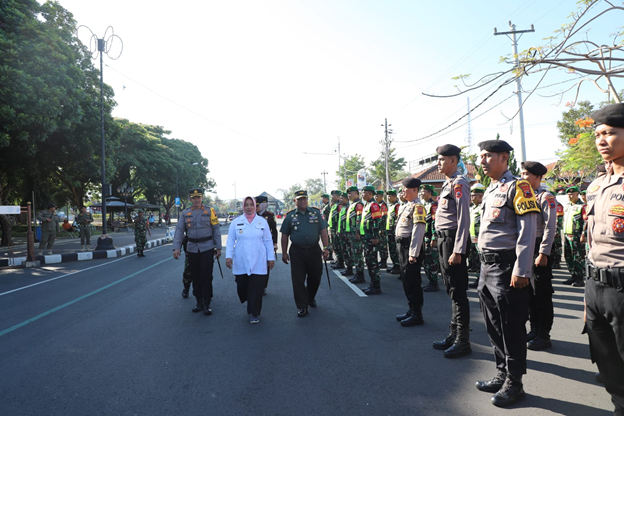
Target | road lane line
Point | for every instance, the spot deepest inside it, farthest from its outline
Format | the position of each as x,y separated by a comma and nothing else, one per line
71,302
357,290
67,275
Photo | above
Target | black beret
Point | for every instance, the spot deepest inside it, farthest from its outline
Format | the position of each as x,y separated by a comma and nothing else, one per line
448,150
262,199
534,168
612,115
411,182
495,146
51,205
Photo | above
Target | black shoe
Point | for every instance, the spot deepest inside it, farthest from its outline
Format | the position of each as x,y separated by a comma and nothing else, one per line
570,280
198,307
446,342
358,279
510,393
431,287
578,282
399,318
185,293
458,349
539,343
302,312
493,385
348,272
394,270
312,304
383,264
207,310
415,319
531,334
371,290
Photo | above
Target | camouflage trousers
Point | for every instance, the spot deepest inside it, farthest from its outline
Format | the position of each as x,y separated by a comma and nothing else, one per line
334,245
357,256
370,255
140,239
345,249
431,262
382,246
574,252
474,262
186,275
557,249
392,247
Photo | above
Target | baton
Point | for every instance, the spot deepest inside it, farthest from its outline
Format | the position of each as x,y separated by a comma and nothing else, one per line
327,272
219,263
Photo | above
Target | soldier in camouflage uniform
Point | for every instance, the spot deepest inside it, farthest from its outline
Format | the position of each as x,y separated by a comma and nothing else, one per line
574,249
474,261
141,228
370,228
84,220
342,236
50,226
391,219
382,246
325,212
557,250
332,223
354,216
431,261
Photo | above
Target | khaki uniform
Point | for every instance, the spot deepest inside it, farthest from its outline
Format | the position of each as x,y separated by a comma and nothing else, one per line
84,220
409,234
507,244
50,226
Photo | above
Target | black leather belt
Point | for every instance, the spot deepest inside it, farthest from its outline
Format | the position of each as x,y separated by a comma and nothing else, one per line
305,246
613,277
199,240
446,233
401,240
498,257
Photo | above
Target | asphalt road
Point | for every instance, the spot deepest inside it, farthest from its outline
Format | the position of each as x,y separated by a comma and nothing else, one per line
115,337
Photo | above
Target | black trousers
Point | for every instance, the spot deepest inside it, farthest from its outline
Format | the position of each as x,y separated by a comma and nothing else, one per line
410,274
250,290
305,262
505,310
455,279
201,264
541,311
605,326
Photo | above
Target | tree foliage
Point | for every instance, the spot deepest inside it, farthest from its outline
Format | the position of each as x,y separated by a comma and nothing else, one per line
349,169
377,169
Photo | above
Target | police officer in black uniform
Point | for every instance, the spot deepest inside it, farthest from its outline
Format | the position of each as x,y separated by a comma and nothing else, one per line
304,225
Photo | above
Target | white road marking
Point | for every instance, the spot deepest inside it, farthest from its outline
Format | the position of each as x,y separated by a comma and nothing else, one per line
350,285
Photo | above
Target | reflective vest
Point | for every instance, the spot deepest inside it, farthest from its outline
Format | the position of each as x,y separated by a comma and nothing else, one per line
392,216
572,210
342,212
367,216
332,211
352,216
475,220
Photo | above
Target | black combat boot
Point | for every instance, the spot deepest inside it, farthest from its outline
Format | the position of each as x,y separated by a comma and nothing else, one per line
510,393
578,282
185,292
431,287
373,289
394,270
358,278
400,318
347,272
415,319
448,341
461,344
199,306
532,334
540,342
494,384
206,308
570,280
383,264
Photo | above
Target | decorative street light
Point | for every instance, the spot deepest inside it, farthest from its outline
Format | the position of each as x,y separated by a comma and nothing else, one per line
125,191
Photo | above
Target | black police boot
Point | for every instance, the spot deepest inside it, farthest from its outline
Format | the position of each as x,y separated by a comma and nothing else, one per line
532,333
570,280
199,306
383,264
138,254
206,308
347,272
448,341
494,384
373,289
431,287
394,270
540,342
399,318
358,278
511,392
578,282
461,345
185,292
415,319
302,312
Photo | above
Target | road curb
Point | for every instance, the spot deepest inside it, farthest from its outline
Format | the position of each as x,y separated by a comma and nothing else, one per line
82,256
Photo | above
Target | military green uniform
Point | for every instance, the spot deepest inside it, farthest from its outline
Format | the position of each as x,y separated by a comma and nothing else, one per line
325,211
431,261
474,263
382,246
354,217
334,239
342,236
140,233
557,250
50,226
391,220
84,221
574,250
369,231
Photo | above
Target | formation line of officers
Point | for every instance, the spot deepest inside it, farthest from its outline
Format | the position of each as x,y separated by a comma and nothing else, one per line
508,231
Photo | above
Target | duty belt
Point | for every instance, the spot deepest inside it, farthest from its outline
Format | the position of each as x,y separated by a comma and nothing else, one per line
446,233
613,277
199,240
498,257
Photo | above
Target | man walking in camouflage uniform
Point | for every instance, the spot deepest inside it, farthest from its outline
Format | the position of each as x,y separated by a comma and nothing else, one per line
369,231
332,223
354,217
141,229
430,263
84,220
474,262
342,237
391,219
382,246
574,249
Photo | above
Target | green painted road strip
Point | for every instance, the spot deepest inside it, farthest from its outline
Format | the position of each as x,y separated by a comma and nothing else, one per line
62,306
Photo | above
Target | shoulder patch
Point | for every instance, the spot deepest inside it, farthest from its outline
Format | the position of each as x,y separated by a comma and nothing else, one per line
458,190
551,200
419,214
359,207
524,200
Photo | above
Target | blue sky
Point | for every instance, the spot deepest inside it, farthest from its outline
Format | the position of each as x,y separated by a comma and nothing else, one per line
256,85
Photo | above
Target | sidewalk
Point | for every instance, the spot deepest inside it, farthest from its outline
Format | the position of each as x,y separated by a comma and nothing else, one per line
69,249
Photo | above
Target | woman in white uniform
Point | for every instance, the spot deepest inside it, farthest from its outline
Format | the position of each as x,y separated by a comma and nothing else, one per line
249,253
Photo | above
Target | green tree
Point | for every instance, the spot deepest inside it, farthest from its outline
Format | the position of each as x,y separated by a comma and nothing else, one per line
377,169
568,126
289,195
349,169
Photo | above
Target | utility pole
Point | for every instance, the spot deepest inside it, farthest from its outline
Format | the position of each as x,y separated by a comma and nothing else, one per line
514,42
386,142
324,173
